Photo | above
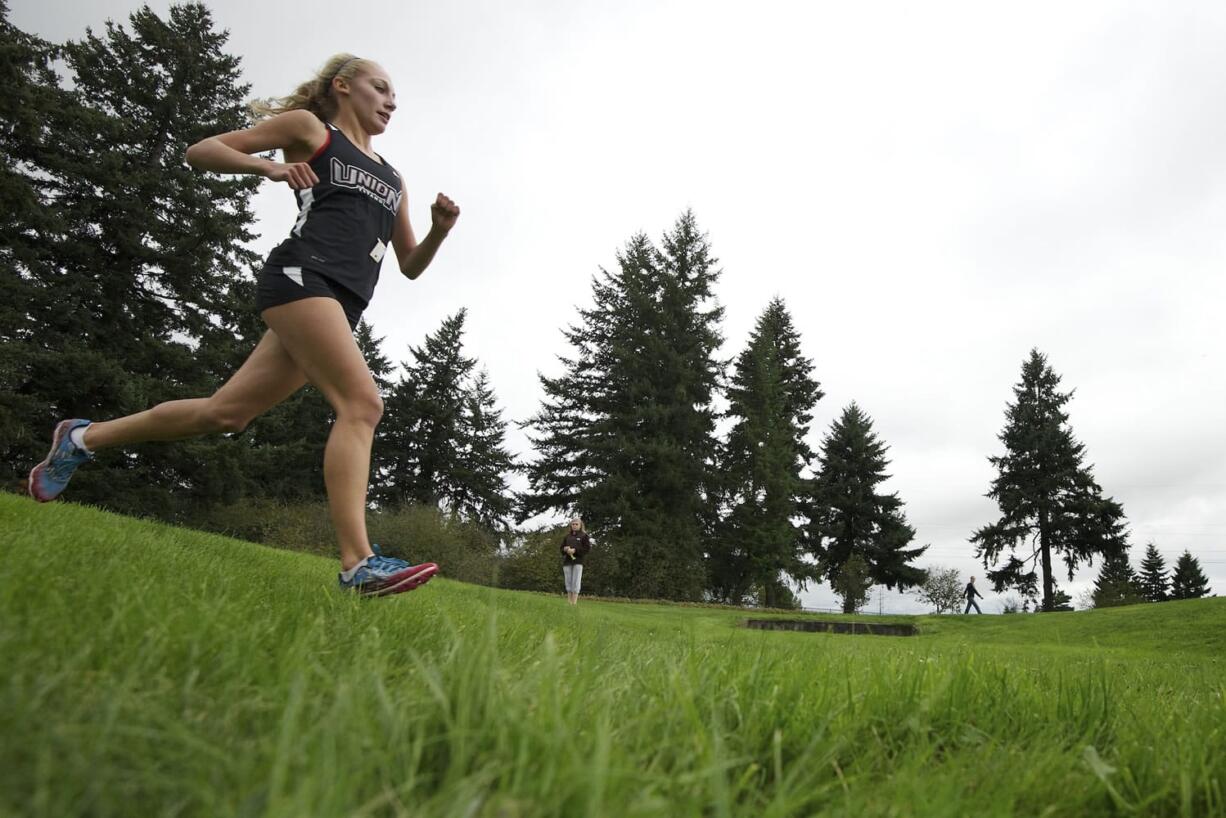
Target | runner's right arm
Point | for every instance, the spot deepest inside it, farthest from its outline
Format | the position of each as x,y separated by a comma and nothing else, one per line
297,133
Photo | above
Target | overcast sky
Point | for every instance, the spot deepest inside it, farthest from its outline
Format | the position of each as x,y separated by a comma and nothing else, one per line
933,189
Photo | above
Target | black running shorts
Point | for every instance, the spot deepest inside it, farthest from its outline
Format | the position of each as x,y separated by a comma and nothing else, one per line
281,285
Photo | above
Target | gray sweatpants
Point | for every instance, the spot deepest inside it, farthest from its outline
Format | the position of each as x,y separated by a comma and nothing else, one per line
573,575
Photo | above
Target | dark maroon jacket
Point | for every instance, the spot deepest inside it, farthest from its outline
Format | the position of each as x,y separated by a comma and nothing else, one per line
582,544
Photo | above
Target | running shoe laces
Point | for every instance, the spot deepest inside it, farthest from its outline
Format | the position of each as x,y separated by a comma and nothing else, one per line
62,466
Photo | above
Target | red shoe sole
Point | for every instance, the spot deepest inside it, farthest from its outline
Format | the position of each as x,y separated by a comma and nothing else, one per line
416,577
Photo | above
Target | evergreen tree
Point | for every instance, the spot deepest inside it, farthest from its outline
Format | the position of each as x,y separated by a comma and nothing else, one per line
1116,584
1049,502
422,419
849,517
625,435
377,362
135,294
771,395
482,492
32,99
442,440
1153,579
576,440
1188,581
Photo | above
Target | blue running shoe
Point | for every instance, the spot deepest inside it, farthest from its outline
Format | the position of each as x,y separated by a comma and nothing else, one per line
49,478
380,576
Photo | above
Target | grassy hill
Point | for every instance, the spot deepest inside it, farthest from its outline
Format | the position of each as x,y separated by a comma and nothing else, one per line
150,671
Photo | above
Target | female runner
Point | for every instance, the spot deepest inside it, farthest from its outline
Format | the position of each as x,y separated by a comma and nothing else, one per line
311,293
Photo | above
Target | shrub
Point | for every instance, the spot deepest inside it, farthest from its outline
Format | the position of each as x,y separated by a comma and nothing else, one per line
293,526
463,550
852,584
943,589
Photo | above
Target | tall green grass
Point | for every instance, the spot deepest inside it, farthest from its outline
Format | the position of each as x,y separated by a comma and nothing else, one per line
154,671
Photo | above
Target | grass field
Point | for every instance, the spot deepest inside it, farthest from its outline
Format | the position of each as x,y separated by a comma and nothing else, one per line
155,671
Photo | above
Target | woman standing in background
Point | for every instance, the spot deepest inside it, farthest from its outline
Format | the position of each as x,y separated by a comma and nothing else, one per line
575,546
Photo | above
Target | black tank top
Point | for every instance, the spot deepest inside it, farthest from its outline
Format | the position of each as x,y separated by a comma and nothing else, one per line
345,222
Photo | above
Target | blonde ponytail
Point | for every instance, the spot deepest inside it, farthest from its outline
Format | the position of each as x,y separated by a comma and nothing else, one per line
314,95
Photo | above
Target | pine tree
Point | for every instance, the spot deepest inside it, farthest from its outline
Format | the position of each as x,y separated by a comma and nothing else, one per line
625,435
136,292
1116,584
1188,580
1153,579
481,490
848,517
31,101
442,441
377,362
576,430
422,419
1049,502
772,394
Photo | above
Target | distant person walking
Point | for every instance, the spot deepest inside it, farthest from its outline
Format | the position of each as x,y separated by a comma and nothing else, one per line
575,546
971,593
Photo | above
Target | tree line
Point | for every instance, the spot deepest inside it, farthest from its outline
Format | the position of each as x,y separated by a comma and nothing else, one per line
626,436
127,280
1118,583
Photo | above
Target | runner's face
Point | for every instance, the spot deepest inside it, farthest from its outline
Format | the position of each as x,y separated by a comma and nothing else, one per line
372,98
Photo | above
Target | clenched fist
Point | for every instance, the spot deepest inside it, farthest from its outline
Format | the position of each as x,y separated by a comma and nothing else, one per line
443,213
298,175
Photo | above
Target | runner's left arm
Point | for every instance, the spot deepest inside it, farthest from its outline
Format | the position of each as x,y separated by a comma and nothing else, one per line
413,256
